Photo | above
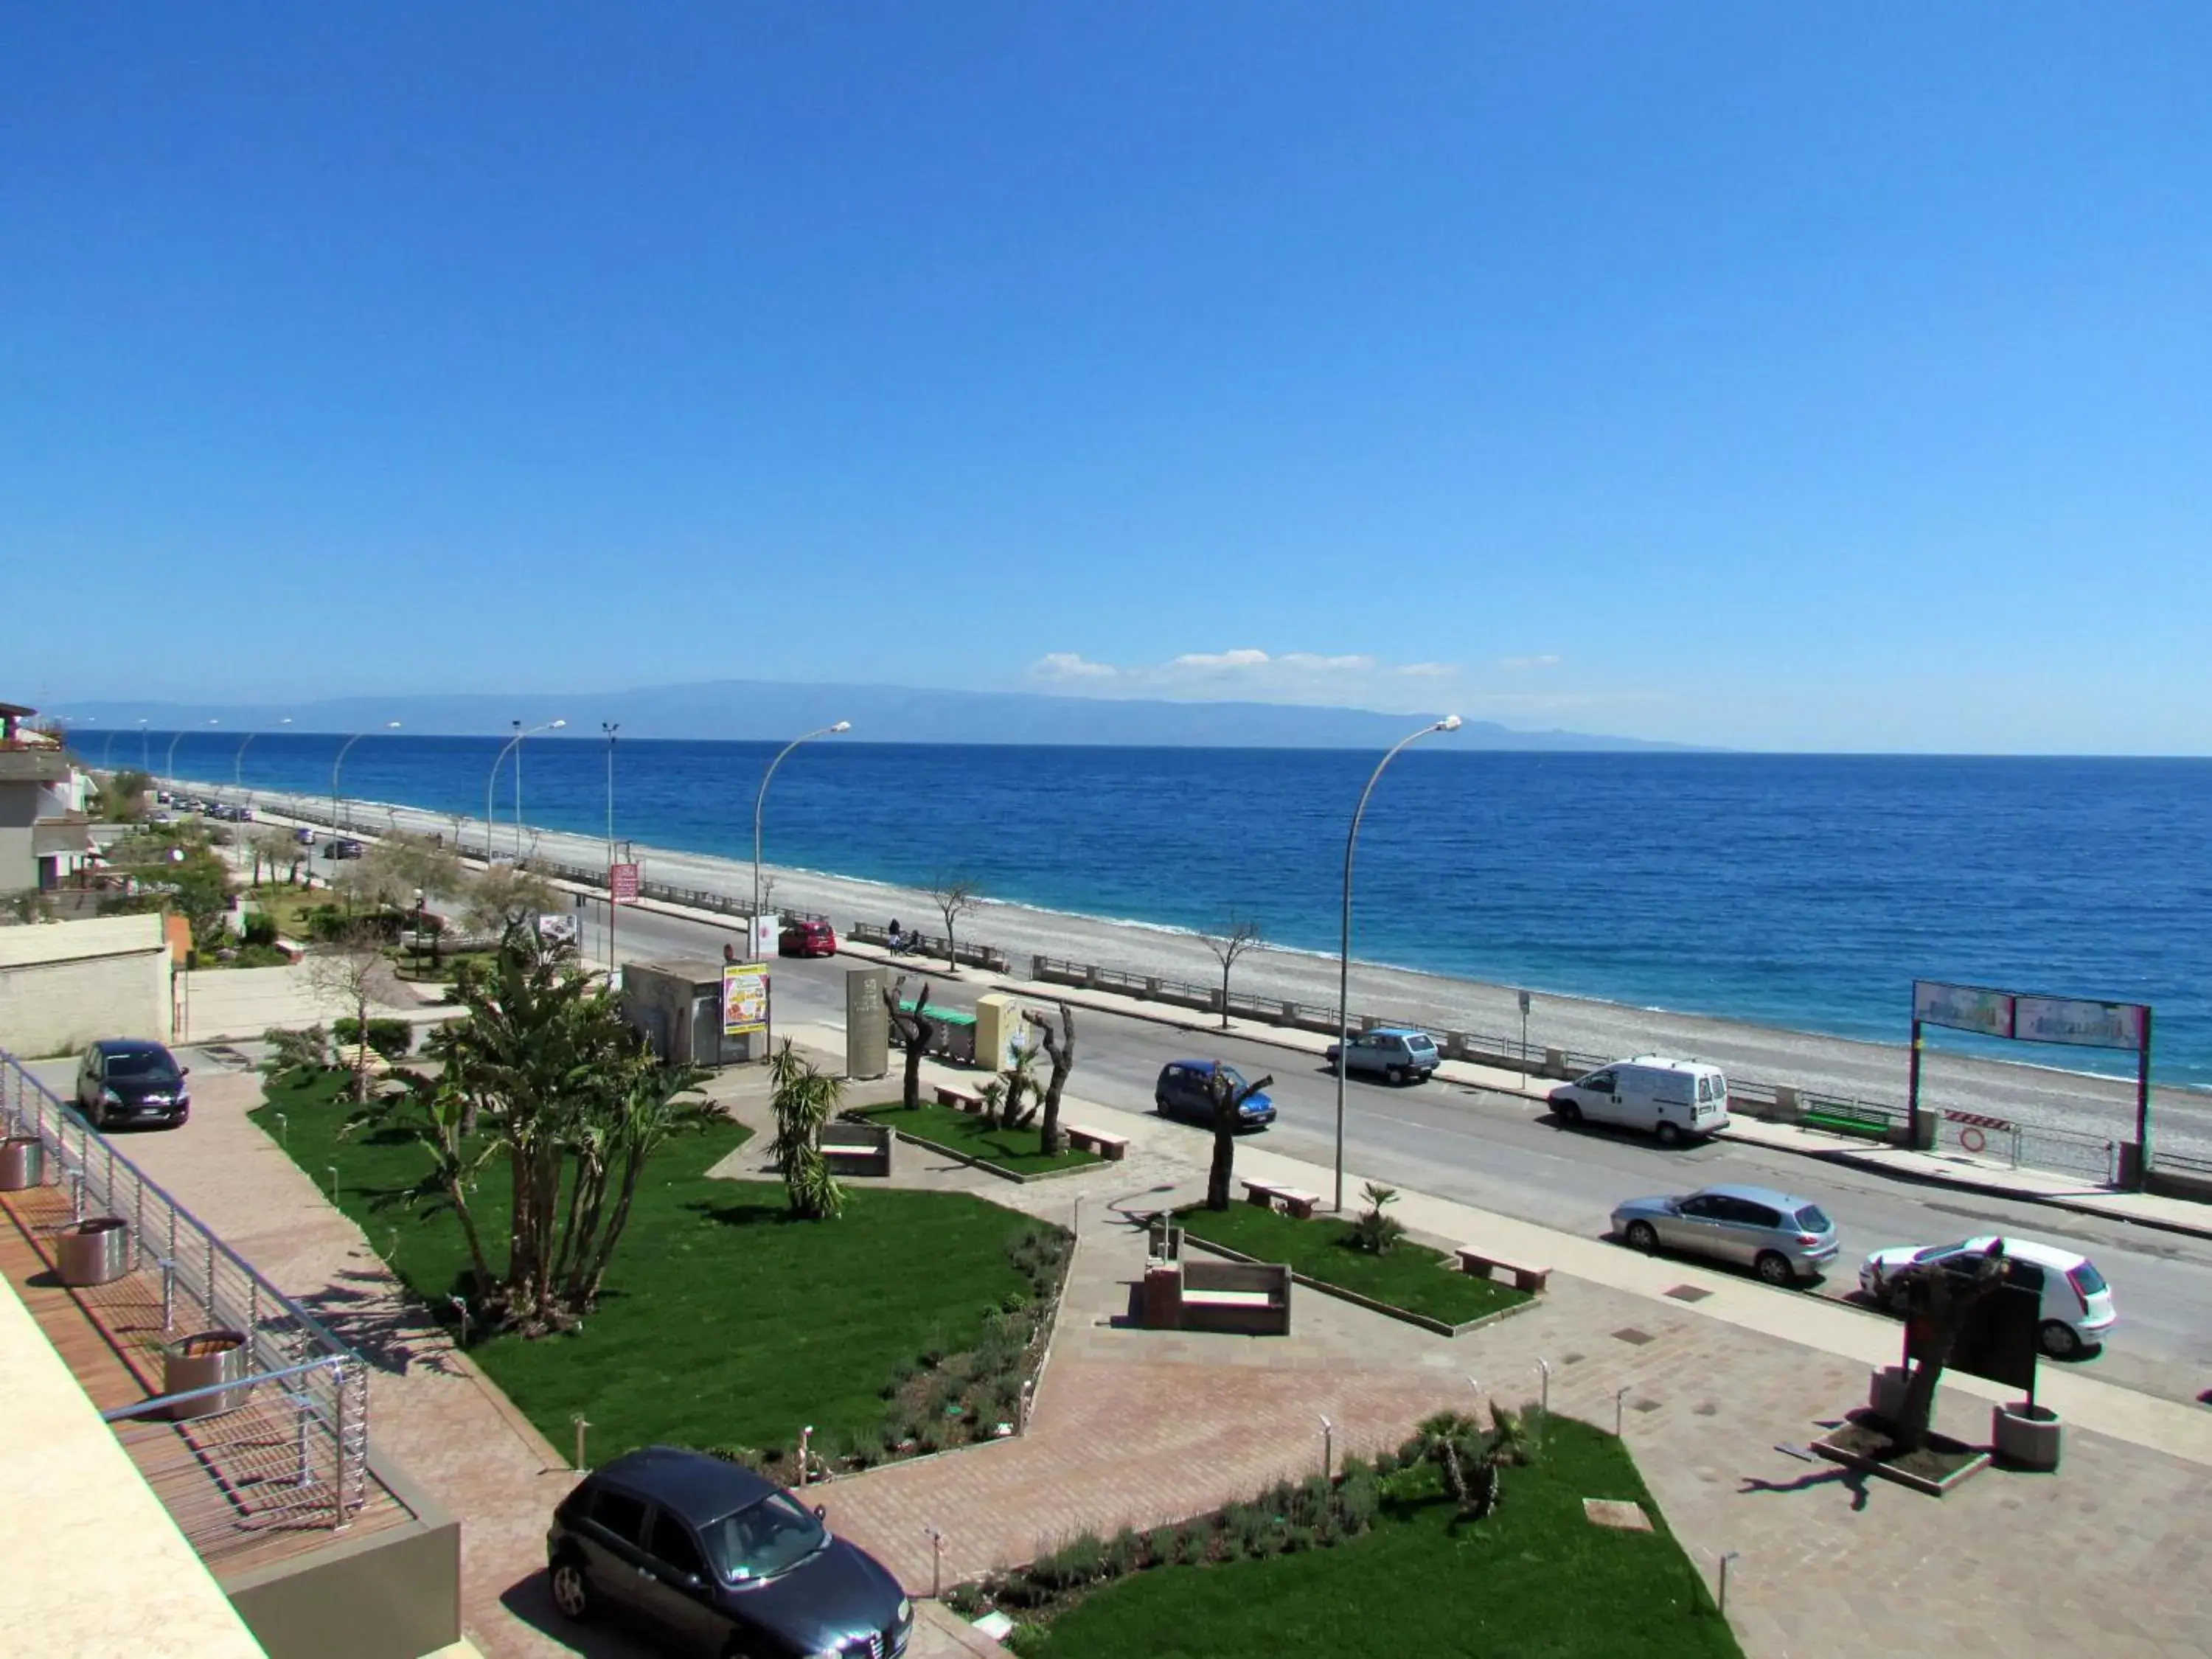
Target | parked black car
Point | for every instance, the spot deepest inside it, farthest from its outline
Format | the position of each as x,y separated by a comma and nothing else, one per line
125,1080
718,1560
1185,1089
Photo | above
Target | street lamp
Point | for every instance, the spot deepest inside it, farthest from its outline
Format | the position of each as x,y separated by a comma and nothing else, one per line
389,726
1448,723
762,797
610,727
169,766
491,783
238,761
145,755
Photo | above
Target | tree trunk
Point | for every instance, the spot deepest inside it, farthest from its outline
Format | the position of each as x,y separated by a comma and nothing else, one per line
1060,1050
1228,1104
1942,1303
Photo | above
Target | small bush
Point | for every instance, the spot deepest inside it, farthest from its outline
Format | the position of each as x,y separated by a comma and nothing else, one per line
1374,1232
292,1051
260,928
392,1038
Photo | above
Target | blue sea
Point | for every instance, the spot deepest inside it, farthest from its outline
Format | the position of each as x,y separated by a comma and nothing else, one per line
1802,891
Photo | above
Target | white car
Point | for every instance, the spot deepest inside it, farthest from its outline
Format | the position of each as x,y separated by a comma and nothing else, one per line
2077,1303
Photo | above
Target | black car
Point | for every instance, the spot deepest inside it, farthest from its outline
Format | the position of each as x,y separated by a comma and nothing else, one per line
1185,1089
718,1560
341,847
126,1080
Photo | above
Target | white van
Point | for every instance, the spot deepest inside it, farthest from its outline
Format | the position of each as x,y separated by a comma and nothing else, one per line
1672,1099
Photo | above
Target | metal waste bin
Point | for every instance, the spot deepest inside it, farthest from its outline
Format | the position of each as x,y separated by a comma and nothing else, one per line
94,1251
22,1163
202,1361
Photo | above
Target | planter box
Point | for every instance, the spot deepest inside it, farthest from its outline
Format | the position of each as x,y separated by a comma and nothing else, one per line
1942,1464
22,1163
96,1251
202,1361
2026,1436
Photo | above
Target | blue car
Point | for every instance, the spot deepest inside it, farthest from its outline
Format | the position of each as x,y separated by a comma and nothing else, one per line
1185,1090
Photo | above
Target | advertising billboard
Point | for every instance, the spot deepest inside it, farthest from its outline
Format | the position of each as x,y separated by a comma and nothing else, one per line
622,883
745,997
2086,1025
1963,1007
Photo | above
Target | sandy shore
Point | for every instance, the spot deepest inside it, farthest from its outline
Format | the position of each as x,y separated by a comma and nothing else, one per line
2068,1117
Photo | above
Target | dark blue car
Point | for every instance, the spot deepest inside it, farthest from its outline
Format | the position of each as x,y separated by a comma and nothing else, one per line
1185,1090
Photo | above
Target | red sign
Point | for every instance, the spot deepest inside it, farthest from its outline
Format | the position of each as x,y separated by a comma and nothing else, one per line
622,883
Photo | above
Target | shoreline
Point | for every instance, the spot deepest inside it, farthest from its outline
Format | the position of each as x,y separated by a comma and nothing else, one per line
2074,1112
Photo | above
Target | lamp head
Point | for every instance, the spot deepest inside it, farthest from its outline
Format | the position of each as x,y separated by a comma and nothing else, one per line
556,726
842,726
1448,723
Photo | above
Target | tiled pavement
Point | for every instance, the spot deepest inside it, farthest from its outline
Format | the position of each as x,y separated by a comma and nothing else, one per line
1136,1426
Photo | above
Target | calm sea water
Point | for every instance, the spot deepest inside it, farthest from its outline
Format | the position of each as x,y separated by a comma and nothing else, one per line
1796,890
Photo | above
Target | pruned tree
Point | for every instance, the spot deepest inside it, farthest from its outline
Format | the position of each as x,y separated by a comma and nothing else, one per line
273,845
955,895
1239,934
805,1099
1060,1053
353,972
502,895
1017,1077
1228,1095
1939,1302
916,1031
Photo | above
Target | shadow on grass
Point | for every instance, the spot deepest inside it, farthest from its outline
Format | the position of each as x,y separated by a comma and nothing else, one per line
747,1214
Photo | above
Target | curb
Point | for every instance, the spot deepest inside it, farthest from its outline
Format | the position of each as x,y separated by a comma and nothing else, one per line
1440,1327
984,1164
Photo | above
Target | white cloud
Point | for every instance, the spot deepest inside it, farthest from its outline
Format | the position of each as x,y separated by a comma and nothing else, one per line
1220,661
1431,671
1248,672
1067,666
1518,664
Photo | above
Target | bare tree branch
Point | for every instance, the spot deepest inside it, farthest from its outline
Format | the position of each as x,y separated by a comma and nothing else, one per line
955,894
1239,934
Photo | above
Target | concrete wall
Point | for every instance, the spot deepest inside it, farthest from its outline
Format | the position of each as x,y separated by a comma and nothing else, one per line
64,983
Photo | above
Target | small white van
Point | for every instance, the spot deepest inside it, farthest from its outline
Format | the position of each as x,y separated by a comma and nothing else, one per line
1672,1099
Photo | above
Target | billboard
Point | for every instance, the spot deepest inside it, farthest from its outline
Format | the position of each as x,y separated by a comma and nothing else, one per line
745,997
622,883
2030,1019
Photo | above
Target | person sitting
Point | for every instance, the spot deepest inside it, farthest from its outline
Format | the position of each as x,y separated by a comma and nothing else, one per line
893,937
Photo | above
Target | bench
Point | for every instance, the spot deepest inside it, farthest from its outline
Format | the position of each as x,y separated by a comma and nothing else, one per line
857,1149
1482,1264
1112,1148
1295,1203
958,1097
1250,1298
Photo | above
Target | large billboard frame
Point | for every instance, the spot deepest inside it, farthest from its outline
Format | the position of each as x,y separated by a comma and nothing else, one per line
2031,1017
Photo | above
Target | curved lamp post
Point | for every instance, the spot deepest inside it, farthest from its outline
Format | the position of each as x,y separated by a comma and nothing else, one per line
145,755
491,783
1448,723
761,797
169,766
389,726
238,761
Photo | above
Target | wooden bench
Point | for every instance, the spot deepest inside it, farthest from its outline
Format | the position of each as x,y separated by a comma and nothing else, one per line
1267,1194
1482,1265
1112,1148
1197,1294
947,1096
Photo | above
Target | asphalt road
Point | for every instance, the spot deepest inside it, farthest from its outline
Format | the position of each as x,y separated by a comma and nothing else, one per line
1501,1152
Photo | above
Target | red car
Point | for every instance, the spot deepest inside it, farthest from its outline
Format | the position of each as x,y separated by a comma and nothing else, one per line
807,938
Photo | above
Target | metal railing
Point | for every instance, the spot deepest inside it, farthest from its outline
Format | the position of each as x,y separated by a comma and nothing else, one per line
315,1472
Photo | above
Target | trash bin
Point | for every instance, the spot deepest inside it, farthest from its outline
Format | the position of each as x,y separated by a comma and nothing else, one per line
94,1251
22,1163
202,1361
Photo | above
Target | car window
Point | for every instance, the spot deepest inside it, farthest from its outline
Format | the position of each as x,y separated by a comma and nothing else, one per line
1602,1082
2087,1279
1701,1205
1236,1078
1755,1215
140,1067
1812,1219
672,1545
620,1514
773,1536
2025,1274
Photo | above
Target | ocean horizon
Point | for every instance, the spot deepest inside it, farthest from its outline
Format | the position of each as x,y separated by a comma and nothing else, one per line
1805,892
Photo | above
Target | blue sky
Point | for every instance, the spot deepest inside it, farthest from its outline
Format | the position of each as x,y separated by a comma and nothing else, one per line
1753,375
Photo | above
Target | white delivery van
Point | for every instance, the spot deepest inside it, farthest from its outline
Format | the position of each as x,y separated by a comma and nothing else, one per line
1672,1099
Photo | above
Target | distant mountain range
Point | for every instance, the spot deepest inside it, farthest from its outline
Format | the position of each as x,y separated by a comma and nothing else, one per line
758,710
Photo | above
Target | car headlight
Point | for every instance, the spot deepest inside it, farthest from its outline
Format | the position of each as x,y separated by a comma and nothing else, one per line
905,1610
109,1098
825,1653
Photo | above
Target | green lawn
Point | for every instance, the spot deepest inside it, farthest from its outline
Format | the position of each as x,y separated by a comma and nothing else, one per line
1535,1580
1411,1277
965,1133
723,1322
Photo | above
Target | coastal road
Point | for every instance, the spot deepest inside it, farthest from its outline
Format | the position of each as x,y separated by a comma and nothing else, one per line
1500,1152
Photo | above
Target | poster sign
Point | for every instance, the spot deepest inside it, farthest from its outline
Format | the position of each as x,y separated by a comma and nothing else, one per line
2086,1025
1963,1007
622,883
554,928
745,997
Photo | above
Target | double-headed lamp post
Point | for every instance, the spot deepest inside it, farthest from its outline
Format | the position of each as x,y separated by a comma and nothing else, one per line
1448,723
389,726
759,799
491,784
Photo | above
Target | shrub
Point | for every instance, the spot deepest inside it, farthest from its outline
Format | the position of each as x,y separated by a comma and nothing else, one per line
1122,1553
260,928
292,1051
392,1038
1374,1232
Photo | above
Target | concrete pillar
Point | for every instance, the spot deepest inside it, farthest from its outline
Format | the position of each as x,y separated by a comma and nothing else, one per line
1555,1062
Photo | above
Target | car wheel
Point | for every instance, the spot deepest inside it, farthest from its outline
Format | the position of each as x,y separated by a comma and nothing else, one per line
572,1591
2060,1341
1160,1104
1392,1076
1642,1236
1669,1135
1567,1112
1774,1268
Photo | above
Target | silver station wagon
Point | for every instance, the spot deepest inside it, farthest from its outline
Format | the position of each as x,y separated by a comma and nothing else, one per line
1781,1237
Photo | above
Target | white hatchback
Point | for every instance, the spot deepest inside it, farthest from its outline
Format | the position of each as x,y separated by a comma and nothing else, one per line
2077,1303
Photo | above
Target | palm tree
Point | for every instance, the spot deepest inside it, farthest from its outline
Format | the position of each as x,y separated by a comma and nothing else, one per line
1471,1457
804,1098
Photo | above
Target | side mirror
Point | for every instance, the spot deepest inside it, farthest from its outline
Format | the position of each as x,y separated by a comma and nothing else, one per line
184,1070
820,1513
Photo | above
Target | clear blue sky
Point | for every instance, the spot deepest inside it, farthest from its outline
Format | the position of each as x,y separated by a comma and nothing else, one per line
1771,376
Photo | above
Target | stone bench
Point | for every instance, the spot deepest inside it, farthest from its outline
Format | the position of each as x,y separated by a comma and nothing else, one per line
1267,1193
1483,1264
958,1098
1112,1148
1249,1298
857,1149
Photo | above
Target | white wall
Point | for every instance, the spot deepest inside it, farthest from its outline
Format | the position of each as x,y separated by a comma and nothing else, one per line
64,983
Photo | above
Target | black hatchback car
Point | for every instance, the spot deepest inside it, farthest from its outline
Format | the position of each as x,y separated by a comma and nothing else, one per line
1185,1089
718,1560
126,1080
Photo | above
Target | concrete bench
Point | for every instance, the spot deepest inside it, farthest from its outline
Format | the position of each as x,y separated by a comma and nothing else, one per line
1250,1299
857,1149
959,1098
1267,1193
1112,1148
1483,1264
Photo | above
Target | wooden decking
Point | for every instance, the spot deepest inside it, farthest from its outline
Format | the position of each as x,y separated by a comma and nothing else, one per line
232,1483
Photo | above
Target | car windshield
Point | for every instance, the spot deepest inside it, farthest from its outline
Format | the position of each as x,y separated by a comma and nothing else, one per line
1812,1219
140,1066
773,1536
1233,1077
2087,1279
1932,1251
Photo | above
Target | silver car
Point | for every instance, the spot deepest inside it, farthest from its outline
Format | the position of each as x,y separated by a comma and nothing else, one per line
1781,1237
